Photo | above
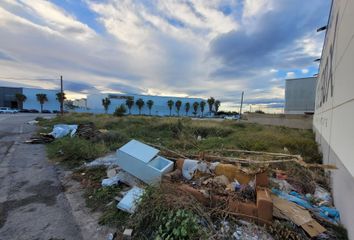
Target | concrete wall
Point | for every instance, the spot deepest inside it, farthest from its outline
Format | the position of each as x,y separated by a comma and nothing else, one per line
94,103
291,121
300,95
334,113
32,103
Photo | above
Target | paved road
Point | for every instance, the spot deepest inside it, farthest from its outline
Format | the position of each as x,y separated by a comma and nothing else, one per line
32,203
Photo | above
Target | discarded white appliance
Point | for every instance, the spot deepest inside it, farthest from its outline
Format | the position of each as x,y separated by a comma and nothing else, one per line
128,202
143,162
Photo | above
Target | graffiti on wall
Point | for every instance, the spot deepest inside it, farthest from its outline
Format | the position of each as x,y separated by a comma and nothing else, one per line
325,86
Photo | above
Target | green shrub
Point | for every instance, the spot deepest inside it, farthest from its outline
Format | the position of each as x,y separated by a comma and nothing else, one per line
75,151
120,111
180,224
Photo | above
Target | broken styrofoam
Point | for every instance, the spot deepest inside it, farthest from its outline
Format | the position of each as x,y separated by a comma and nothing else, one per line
62,130
110,181
143,162
128,202
108,160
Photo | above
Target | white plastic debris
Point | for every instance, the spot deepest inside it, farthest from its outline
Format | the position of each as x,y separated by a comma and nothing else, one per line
108,160
33,122
62,130
110,181
190,166
283,185
323,195
128,202
142,161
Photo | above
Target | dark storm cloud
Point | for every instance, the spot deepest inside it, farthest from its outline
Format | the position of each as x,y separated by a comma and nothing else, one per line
270,41
78,86
125,88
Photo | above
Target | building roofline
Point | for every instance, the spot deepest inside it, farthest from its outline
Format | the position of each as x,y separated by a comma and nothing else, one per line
290,79
146,95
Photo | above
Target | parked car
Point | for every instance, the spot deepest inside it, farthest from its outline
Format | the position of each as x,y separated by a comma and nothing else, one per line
46,111
33,111
56,111
8,110
24,111
234,117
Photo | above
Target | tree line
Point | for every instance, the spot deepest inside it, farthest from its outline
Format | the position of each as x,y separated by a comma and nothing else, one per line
140,103
41,98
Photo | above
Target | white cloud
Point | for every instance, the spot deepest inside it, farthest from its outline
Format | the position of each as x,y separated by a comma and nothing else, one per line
158,46
304,71
290,75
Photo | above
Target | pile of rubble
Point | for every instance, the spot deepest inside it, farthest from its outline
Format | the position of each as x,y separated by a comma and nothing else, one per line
85,130
254,189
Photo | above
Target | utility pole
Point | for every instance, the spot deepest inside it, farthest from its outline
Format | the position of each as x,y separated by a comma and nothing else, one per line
61,96
241,105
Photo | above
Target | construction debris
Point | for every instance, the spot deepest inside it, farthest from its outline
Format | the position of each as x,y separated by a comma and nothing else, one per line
143,162
62,130
293,212
87,131
129,201
41,139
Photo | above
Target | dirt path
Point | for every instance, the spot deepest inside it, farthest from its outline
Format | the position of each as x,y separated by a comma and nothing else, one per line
33,204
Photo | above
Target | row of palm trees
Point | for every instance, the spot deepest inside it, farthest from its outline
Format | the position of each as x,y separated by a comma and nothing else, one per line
212,103
41,98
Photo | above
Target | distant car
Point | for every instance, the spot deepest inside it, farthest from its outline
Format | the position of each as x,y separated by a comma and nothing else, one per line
8,110
46,111
24,111
235,117
56,111
33,111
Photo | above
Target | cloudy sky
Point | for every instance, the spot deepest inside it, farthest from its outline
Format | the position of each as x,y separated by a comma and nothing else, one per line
196,48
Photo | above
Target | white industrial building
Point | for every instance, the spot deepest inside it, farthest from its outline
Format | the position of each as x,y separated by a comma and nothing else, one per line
334,113
8,98
159,108
300,95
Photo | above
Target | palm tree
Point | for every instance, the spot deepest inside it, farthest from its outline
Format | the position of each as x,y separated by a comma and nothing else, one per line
178,105
217,105
106,102
202,106
140,103
129,102
42,98
20,99
187,106
211,102
195,108
150,103
170,105
61,97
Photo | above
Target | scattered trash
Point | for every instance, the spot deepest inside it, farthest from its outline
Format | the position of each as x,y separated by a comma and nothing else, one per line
87,130
62,130
191,166
33,122
110,181
109,160
111,236
111,172
301,217
128,202
328,213
127,234
282,185
323,195
41,139
143,162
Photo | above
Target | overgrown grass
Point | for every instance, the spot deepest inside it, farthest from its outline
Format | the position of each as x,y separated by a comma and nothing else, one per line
179,134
